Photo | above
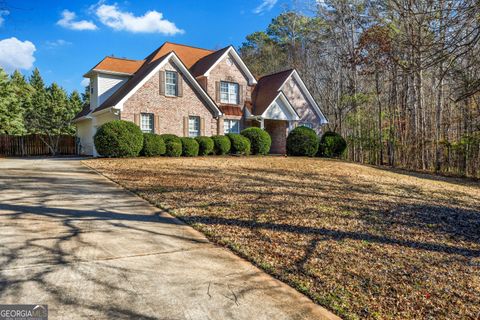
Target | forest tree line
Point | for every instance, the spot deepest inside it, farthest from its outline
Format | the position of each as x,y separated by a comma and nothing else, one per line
28,106
399,79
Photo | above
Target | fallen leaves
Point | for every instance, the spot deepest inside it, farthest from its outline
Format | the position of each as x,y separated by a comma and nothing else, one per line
366,243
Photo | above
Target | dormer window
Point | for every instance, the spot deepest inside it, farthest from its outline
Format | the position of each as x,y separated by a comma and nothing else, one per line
229,92
171,83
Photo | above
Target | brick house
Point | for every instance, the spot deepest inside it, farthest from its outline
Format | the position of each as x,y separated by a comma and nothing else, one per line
192,92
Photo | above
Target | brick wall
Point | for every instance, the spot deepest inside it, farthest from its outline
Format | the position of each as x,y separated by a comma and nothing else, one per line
301,105
170,110
278,131
232,73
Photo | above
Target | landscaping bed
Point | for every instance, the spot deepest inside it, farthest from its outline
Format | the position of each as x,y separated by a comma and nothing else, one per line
364,242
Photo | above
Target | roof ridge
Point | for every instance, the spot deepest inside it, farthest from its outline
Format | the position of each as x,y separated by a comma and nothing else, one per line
186,45
216,51
124,58
202,65
210,54
273,74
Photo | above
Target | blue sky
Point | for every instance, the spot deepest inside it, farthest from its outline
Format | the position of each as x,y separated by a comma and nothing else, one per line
64,39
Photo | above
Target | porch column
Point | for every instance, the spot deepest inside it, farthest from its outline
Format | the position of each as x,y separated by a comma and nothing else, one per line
262,123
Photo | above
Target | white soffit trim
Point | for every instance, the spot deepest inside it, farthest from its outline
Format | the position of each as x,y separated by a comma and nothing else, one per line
93,72
243,66
307,93
287,103
171,56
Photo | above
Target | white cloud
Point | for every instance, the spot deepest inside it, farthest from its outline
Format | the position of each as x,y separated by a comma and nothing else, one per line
57,43
68,21
266,5
150,22
2,14
16,54
85,82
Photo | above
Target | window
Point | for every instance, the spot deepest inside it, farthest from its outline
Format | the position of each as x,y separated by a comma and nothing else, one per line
229,92
146,122
171,83
231,126
193,127
306,124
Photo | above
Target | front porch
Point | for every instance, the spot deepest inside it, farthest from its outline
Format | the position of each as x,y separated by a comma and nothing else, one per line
277,119
278,131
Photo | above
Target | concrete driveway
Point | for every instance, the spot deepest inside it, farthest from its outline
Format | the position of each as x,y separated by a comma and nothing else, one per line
76,241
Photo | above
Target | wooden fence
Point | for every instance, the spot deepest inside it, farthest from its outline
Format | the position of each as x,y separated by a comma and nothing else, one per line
32,145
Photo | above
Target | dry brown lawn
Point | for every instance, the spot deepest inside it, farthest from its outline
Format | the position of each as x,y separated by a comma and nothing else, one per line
364,242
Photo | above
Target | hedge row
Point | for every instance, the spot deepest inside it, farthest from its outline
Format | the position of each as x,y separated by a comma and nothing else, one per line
303,141
125,139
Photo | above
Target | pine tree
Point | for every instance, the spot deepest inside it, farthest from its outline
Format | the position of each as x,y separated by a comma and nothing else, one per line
86,96
11,120
35,113
36,80
23,91
75,104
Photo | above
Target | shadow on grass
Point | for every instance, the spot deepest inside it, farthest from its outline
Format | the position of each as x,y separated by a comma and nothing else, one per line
335,234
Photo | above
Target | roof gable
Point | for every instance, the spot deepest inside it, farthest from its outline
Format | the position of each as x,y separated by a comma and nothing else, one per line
204,66
308,95
189,55
269,86
144,74
280,109
205,63
266,90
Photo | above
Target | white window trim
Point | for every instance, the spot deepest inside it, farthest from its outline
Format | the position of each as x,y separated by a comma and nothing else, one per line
229,93
151,122
175,84
229,121
196,124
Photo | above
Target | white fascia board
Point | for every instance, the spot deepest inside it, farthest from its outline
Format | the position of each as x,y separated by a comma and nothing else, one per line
87,117
287,103
251,79
99,112
92,72
309,96
171,56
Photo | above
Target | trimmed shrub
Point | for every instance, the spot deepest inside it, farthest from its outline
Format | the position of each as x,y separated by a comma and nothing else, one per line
205,145
331,145
173,145
119,138
170,137
173,148
240,144
260,140
189,147
153,145
221,145
302,141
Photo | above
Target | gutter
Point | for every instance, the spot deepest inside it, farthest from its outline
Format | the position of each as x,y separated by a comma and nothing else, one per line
82,118
99,112
100,71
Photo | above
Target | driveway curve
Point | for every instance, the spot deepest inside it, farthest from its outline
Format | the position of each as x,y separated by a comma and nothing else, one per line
76,241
